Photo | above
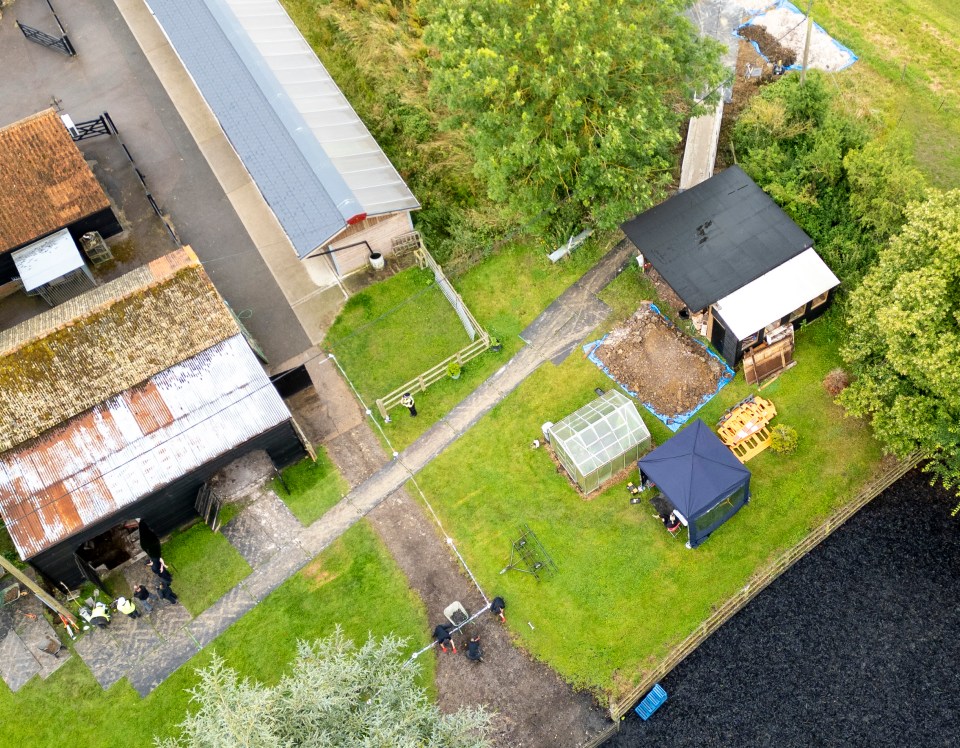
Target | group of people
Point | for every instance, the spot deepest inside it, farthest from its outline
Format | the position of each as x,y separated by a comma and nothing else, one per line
145,597
444,637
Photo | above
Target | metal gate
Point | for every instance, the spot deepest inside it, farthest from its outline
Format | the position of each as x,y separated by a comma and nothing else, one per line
59,44
208,506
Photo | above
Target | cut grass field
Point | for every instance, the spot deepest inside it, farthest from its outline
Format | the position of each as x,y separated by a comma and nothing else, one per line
627,591
354,583
505,292
204,566
907,74
314,487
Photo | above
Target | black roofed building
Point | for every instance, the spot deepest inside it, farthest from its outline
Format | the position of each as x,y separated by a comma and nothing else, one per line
729,251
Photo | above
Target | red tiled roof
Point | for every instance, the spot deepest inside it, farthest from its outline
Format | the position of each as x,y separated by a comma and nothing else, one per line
46,184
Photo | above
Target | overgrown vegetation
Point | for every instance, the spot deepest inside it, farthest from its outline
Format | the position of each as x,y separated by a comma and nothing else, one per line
844,185
903,344
572,110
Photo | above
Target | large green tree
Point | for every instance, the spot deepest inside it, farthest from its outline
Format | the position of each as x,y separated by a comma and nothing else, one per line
904,338
573,108
338,696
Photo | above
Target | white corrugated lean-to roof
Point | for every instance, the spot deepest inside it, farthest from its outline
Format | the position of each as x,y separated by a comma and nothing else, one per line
135,443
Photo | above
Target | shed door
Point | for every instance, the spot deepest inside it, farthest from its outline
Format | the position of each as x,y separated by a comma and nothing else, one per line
89,573
718,334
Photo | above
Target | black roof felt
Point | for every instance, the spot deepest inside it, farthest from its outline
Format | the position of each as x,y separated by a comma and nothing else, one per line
714,238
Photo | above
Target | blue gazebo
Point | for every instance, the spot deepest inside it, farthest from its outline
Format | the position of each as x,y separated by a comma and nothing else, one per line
700,478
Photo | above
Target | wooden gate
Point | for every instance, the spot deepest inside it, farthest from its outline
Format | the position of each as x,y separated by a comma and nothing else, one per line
89,573
208,506
764,361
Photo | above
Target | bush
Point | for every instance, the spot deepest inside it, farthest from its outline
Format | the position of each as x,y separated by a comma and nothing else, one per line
783,439
836,382
454,369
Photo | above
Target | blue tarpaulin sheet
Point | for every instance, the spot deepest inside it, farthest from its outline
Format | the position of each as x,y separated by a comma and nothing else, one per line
672,422
848,56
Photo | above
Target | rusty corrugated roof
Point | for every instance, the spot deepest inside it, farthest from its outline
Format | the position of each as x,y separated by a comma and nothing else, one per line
76,355
135,443
46,183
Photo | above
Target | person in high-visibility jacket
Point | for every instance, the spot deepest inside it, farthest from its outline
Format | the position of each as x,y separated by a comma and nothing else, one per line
127,607
407,402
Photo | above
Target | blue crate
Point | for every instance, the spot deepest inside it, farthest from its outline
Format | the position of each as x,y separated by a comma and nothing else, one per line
651,702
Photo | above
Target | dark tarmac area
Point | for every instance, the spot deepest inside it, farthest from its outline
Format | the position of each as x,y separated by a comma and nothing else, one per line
857,645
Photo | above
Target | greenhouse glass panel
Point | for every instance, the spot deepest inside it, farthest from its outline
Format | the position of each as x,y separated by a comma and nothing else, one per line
599,439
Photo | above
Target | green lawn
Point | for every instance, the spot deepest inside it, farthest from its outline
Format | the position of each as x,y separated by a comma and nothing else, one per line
393,331
505,292
627,591
204,566
314,487
354,583
922,100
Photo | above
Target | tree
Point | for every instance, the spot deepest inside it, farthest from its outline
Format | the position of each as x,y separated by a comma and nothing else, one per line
572,107
846,189
337,695
904,339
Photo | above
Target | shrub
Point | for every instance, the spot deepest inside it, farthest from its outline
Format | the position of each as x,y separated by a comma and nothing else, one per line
836,382
454,369
783,439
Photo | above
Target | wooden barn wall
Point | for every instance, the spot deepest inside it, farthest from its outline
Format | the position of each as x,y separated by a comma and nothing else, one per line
170,507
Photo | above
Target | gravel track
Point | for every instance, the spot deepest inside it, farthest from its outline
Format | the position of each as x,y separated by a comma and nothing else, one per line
857,645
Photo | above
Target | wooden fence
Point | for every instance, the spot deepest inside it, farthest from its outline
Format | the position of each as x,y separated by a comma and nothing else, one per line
754,587
481,339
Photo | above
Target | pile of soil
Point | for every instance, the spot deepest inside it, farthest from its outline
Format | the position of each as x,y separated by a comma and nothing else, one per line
667,369
769,46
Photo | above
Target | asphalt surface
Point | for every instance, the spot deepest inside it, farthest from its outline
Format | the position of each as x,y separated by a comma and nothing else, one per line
856,645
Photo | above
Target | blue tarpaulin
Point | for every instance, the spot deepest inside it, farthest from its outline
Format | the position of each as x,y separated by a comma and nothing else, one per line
700,477
672,422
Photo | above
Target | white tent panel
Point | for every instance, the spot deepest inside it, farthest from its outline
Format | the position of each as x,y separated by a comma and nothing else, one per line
777,293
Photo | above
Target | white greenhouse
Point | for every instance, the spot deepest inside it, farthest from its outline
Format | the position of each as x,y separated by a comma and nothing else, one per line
600,440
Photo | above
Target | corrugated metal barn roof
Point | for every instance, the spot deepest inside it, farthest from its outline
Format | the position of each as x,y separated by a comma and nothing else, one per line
135,443
78,354
311,156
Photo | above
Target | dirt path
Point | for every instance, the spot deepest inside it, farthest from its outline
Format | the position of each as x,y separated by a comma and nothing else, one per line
533,706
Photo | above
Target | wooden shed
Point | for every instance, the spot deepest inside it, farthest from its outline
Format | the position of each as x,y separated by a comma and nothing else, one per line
729,251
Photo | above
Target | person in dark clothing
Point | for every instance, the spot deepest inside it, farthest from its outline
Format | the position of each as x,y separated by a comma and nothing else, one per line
442,634
497,606
163,589
144,595
473,649
158,567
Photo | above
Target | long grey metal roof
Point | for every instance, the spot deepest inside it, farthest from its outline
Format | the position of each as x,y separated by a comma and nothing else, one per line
311,156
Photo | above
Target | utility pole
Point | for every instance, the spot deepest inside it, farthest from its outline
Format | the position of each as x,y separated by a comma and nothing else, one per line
806,45
48,600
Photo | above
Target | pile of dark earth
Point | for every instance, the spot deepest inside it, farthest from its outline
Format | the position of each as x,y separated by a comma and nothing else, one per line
858,644
769,46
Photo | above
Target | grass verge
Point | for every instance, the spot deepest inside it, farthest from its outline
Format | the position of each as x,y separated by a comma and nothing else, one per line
204,566
354,583
314,487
